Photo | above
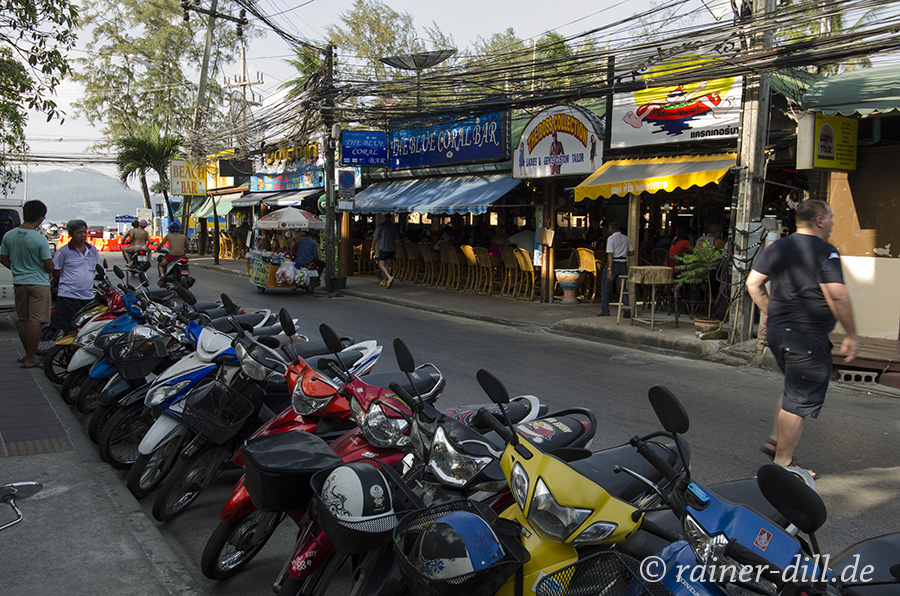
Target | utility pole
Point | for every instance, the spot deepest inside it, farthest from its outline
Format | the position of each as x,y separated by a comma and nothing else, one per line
328,120
751,173
243,83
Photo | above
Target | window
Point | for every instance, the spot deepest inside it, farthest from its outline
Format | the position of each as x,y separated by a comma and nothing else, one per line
9,219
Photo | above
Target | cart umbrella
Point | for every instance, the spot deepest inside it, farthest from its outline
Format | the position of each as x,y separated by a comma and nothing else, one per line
289,218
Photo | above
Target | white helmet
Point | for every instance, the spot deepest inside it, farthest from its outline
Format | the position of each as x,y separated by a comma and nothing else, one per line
357,492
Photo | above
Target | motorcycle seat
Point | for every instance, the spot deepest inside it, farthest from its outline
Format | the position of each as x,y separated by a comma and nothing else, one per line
348,359
305,349
599,468
422,384
268,330
208,306
222,323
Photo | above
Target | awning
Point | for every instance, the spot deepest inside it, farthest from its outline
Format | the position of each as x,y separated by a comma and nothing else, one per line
864,91
253,199
623,176
291,198
457,194
223,206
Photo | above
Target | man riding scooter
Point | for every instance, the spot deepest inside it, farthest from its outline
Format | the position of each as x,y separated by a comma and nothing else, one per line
177,247
136,238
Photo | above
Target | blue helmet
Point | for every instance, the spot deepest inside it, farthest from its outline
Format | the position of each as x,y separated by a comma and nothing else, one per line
457,544
174,227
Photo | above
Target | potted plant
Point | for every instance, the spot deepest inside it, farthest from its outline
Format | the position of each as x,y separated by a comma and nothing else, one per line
697,267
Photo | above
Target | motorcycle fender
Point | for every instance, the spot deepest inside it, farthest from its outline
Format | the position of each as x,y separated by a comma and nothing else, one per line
137,395
65,340
102,369
310,553
238,505
114,391
680,563
379,574
83,357
164,429
546,556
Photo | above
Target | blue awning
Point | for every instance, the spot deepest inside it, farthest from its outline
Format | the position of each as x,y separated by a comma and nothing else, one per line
253,199
457,194
292,198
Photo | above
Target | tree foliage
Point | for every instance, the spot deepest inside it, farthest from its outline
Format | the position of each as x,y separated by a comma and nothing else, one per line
142,66
136,154
35,36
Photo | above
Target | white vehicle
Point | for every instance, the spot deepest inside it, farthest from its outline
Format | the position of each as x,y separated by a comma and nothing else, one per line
10,217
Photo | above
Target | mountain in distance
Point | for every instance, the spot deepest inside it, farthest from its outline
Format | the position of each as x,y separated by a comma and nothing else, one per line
82,193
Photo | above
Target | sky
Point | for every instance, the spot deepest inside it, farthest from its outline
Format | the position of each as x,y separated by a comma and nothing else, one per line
465,20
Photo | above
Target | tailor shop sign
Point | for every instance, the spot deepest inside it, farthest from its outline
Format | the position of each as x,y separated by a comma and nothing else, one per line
826,142
186,179
560,141
472,140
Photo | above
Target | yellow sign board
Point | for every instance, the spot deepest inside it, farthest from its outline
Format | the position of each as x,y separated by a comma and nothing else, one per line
826,142
187,179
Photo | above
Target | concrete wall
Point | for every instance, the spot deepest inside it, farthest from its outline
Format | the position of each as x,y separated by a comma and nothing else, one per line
874,286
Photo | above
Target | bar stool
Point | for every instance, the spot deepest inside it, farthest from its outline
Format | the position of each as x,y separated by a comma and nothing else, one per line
623,292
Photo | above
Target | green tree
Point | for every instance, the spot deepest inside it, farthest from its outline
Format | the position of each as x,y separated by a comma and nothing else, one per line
138,153
35,36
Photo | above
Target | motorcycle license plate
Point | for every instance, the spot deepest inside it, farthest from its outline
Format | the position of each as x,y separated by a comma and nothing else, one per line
142,258
185,272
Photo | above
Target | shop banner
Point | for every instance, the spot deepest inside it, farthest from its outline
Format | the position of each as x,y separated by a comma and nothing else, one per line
560,141
293,178
186,179
826,142
460,141
363,148
687,111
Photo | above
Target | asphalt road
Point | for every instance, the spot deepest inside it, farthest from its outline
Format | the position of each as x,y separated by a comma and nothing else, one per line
852,446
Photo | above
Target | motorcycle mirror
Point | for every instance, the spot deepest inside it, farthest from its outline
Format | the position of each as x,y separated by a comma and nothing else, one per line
235,325
287,323
494,388
332,341
143,277
100,270
404,357
186,295
19,490
792,497
230,306
669,410
105,265
118,272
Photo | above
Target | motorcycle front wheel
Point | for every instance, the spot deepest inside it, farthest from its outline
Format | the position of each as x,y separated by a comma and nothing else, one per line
149,470
98,420
122,433
188,478
232,545
86,402
56,362
72,385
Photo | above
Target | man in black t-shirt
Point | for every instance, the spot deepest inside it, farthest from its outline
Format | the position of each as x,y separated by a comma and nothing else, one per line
806,297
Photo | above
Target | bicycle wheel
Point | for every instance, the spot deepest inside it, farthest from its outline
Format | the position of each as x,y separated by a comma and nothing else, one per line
122,433
232,545
56,362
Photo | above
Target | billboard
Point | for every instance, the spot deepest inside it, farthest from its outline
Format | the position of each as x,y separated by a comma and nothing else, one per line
458,141
560,141
826,142
686,111
363,148
186,179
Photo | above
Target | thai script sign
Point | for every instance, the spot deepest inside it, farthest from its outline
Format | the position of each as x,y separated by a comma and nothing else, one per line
686,111
475,139
560,141
363,148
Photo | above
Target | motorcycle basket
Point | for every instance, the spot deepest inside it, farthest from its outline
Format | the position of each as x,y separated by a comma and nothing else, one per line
608,573
478,583
351,537
137,358
217,412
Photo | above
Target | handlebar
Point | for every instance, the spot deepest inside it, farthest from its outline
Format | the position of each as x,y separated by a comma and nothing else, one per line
403,394
656,461
661,531
484,418
745,556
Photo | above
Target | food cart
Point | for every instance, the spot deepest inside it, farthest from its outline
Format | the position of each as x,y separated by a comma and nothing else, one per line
263,262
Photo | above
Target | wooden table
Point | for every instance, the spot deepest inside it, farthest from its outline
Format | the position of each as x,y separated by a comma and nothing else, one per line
652,275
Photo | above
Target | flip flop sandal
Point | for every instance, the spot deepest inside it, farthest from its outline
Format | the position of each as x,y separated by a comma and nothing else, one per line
20,359
795,464
769,448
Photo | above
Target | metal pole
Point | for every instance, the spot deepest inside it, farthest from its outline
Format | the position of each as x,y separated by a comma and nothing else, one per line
328,119
751,172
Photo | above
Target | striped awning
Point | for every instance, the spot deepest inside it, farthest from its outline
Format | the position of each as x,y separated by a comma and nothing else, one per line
223,205
454,194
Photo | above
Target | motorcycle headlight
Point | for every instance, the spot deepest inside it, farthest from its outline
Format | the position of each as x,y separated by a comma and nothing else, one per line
249,365
105,340
518,484
87,339
451,466
703,545
159,394
550,519
305,402
382,431
710,550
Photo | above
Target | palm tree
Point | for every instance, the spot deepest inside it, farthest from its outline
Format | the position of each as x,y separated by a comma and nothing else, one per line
137,153
310,68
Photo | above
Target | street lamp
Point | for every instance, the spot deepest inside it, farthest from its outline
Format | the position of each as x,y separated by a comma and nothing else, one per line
418,62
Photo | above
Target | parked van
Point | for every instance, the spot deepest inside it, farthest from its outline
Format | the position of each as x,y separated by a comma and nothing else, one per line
10,217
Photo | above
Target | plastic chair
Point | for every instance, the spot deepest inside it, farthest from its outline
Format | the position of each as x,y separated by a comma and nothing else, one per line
473,272
510,271
487,267
583,258
525,288
411,274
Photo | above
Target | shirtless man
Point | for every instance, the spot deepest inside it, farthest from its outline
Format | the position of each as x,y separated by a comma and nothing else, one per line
137,237
177,243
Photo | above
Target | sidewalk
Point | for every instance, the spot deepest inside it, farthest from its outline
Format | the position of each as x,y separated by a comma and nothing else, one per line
84,527
579,319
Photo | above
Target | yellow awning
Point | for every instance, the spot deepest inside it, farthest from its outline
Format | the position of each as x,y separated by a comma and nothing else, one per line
623,176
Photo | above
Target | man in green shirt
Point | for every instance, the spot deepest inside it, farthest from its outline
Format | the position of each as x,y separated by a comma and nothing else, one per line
26,253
